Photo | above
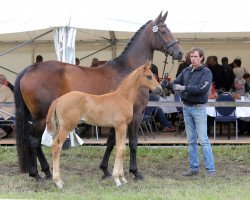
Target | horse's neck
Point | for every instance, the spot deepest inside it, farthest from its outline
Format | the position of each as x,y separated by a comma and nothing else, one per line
129,88
138,52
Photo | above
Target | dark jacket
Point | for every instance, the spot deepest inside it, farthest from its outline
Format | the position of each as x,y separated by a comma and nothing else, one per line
197,83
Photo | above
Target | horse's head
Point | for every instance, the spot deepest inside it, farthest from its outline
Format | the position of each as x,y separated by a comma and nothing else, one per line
148,79
163,40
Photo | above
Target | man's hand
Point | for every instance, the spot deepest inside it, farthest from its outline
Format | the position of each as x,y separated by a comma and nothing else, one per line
178,87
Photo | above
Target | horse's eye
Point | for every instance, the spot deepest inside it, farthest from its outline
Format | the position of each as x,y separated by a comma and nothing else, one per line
163,32
149,77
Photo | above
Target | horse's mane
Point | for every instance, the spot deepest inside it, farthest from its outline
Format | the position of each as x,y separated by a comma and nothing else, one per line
132,39
126,78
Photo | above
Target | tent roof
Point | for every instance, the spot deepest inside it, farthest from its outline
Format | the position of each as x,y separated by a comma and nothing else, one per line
26,19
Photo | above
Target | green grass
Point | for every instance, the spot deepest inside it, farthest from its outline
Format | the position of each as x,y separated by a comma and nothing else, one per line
161,166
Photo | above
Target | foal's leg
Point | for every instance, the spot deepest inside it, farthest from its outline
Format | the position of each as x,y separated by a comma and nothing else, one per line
118,172
105,159
56,150
133,141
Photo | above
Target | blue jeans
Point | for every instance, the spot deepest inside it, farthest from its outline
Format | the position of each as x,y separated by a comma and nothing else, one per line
163,119
195,118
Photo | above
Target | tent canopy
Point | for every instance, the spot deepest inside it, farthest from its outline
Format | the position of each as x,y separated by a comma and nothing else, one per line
23,20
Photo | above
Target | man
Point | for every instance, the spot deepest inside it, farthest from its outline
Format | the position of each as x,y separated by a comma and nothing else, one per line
6,95
194,83
39,59
95,62
238,70
77,61
227,74
4,81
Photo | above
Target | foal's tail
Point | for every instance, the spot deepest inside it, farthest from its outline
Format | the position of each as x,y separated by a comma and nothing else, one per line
52,120
23,121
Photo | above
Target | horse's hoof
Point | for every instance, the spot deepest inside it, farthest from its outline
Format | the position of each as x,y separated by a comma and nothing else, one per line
48,177
38,178
138,176
106,176
106,172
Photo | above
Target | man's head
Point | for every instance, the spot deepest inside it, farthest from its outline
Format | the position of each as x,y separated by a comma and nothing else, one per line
224,61
196,56
39,58
237,62
95,62
239,83
3,79
77,61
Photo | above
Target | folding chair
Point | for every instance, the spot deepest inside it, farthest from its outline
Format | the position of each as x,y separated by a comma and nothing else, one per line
226,114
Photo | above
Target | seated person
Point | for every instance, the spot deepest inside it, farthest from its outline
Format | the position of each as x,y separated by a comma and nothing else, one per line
212,92
4,81
6,95
247,84
167,126
238,88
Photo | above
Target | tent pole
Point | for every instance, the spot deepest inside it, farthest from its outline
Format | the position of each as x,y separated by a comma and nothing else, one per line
25,43
96,51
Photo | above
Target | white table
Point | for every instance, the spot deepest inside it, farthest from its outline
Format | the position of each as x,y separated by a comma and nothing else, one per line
168,109
241,112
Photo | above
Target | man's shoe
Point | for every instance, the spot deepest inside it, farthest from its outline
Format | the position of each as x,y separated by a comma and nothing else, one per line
190,173
210,174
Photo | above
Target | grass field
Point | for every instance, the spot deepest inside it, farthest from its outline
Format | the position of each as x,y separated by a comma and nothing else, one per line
161,166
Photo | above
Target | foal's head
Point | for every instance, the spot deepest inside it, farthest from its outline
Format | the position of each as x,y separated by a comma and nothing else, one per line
147,78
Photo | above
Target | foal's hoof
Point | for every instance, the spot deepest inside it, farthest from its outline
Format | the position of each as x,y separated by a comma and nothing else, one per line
59,184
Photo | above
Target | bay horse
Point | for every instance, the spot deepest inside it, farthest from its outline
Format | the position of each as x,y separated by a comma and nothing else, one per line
41,83
114,109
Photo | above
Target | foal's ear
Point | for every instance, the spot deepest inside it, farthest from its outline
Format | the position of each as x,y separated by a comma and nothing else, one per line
148,63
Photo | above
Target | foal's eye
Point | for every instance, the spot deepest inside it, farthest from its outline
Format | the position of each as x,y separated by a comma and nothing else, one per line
149,77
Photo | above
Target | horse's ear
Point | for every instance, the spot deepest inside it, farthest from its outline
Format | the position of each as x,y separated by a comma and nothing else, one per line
159,17
164,17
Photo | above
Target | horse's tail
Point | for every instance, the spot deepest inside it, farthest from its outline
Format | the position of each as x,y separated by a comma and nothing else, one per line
23,126
52,120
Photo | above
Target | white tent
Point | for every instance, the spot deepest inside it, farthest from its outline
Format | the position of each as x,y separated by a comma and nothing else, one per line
100,21
191,16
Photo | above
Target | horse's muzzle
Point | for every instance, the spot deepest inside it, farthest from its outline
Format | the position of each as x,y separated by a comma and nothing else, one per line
177,55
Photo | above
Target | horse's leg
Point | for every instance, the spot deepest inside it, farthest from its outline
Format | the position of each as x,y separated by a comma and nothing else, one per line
105,159
44,163
56,151
118,172
133,140
34,143
38,128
